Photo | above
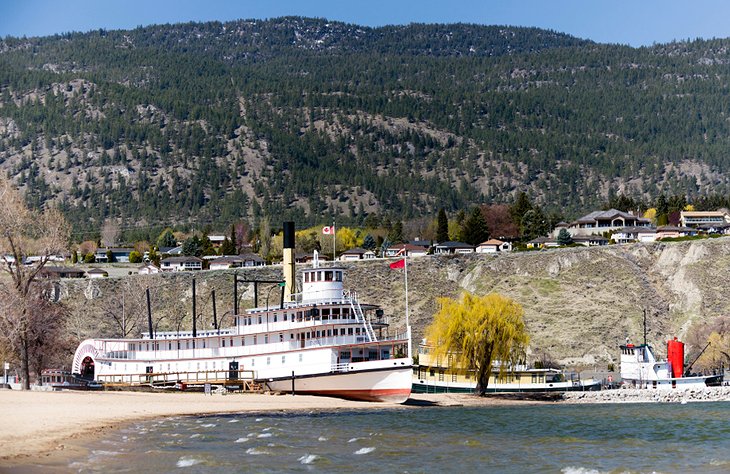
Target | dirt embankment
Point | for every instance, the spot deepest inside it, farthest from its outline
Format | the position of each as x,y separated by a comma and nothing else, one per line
580,303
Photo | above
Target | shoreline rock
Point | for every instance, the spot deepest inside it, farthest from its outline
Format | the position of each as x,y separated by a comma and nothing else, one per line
706,394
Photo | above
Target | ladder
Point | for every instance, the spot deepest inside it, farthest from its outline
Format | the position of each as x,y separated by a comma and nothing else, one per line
360,317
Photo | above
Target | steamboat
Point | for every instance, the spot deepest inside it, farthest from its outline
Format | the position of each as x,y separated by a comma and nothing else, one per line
321,340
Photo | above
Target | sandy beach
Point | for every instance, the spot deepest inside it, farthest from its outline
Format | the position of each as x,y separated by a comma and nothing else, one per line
55,424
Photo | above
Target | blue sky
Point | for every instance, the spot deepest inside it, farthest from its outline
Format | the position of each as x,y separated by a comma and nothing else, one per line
636,22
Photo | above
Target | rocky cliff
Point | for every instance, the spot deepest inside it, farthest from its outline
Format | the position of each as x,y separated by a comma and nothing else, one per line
580,303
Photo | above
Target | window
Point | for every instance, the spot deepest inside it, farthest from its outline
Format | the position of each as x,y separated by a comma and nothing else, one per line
328,275
254,340
283,360
224,342
441,375
338,276
281,338
301,356
253,362
268,361
266,339
453,377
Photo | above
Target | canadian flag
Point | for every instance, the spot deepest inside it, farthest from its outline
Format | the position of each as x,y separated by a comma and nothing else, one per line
328,230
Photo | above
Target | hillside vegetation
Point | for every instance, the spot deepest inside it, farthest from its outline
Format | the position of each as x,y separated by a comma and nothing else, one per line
580,303
311,120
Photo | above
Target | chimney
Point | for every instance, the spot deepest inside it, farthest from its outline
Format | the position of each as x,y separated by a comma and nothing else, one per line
289,268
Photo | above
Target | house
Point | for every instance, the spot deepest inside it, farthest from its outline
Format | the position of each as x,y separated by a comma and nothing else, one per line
216,240
700,218
716,229
590,240
96,273
119,254
309,257
634,234
182,263
237,261
452,248
598,222
61,272
148,269
493,246
409,250
673,232
356,253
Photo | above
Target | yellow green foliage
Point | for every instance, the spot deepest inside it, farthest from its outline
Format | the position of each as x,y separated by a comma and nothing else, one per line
475,331
650,214
348,238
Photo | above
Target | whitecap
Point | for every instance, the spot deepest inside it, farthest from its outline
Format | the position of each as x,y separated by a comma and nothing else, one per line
364,450
308,458
208,425
579,470
241,440
233,421
259,419
267,429
264,435
187,462
254,451
353,440
322,438
194,435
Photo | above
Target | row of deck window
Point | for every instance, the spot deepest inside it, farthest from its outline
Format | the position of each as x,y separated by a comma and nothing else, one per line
231,342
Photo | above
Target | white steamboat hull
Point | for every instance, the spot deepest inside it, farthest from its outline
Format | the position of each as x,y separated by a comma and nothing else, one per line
392,384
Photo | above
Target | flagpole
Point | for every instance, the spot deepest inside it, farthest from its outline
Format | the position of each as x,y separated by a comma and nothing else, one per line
334,242
408,322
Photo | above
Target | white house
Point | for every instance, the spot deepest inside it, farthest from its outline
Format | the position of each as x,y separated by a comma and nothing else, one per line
703,218
493,246
409,250
179,264
96,273
634,234
598,222
148,269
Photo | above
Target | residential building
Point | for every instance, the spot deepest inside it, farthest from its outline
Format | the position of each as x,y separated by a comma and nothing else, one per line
356,253
148,269
598,222
673,232
236,261
216,240
119,254
493,246
409,250
182,263
453,248
703,218
96,273
61,272
634,234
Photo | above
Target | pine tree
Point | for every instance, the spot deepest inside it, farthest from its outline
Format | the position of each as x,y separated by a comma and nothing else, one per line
369,243
475,229
564,237
442,226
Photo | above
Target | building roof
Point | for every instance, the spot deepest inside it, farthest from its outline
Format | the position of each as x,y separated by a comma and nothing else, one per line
492,242
182,259
703,213
407,247
589,238
421,243
354,251
455,245
672,228
96,271
249,257
609,215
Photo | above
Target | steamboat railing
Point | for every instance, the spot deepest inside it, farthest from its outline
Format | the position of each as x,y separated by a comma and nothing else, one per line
242,379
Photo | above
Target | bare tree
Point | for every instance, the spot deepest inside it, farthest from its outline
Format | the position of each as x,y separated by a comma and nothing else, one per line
24,232
110,233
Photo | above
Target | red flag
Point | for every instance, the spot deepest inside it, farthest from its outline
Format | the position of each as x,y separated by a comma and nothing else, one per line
399,264
327,230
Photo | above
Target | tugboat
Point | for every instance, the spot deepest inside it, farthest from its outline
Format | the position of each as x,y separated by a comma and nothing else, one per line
641,369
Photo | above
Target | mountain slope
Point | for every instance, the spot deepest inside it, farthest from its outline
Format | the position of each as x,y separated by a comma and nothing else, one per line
309,119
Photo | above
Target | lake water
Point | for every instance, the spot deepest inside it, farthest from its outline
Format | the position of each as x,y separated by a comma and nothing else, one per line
545,438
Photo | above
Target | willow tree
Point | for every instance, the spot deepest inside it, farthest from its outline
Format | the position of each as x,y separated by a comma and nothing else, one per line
473,332
24,233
